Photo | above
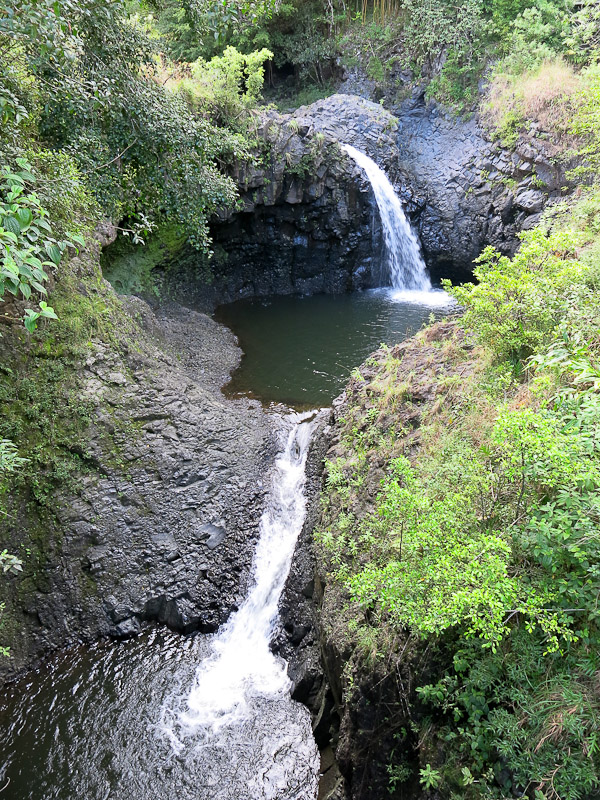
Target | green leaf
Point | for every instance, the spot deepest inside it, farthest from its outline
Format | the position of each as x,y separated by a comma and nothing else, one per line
42,223
47,311
11,224
24,217
26,272
54,253
30,320
77,239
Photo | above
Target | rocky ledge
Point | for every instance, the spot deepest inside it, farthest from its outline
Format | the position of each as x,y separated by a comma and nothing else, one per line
307,220
163,521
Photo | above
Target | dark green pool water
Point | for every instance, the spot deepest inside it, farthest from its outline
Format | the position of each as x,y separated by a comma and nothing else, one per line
300,351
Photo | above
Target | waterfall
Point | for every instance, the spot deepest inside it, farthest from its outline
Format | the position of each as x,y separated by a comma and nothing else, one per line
242,664
406,271
238,721
238,713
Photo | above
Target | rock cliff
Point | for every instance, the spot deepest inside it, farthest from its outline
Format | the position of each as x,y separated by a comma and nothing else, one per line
161,517
307,221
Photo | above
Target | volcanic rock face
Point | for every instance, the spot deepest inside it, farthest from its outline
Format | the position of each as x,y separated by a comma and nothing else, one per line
462,191
165,519
178,528
308,221
465,191
304,225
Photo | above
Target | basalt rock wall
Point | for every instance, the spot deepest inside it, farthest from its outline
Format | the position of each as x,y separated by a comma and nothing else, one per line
461,191
161,519
307,220
304,224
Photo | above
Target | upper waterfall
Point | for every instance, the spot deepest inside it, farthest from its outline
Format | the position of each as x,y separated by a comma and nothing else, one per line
405,266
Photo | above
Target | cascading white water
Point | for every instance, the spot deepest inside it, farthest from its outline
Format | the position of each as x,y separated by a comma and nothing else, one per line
406,269
254,740
242,662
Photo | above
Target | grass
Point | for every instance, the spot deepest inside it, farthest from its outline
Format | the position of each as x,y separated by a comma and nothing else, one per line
546,96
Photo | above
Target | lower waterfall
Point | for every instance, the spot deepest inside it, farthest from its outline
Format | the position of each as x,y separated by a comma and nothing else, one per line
241,678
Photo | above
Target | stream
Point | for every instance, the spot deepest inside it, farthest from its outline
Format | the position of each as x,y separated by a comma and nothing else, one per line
164,716
210,717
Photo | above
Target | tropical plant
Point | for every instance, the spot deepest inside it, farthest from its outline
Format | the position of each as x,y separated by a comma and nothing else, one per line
27,247
517,303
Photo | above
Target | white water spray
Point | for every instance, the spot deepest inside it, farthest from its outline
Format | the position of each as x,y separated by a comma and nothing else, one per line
242,666
406,269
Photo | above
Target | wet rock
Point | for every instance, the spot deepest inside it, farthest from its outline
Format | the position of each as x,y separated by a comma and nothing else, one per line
306,224
212,535
128,628
298,638
162,526
457,186
531,200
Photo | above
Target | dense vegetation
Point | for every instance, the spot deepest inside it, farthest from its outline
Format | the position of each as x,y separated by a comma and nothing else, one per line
483,542
486,538
447,45
89,131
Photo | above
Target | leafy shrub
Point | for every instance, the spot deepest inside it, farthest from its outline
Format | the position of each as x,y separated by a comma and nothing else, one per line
518,302
585,124
536,35
27,247
227,86
484,545
144,155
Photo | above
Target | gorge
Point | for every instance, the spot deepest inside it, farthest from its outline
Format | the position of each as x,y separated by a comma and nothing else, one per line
235,726
299,416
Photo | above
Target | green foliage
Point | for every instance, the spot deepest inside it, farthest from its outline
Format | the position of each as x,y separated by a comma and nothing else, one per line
10,462
583,42
456,84
430,778
143,153
586,124
509,129
375,69
429,28
536,35
130,268
301,35
452,45
212,23
227,86
435,577
10,563
518,302
536,714
483,541
27,247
